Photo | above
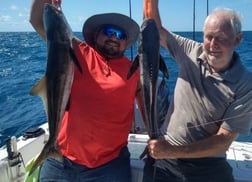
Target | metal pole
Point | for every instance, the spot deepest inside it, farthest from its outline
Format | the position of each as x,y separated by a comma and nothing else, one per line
193,19
131,48
131,57
130,8
207,8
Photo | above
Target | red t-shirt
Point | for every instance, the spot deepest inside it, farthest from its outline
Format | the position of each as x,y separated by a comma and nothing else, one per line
100,116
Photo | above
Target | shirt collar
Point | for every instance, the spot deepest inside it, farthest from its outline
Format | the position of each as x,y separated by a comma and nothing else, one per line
232,74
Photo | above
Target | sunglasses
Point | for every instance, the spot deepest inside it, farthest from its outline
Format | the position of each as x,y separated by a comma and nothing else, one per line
111,31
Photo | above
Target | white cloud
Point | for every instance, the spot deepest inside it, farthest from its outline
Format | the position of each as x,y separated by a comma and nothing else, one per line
20,14
5,18
14,7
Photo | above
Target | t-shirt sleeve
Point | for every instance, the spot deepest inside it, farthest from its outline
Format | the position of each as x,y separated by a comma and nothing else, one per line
238,117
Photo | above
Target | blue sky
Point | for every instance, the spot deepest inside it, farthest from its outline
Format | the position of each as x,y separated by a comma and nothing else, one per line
177,15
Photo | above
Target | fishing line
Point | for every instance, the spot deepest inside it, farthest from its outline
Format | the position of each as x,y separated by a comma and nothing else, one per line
220,120
209,123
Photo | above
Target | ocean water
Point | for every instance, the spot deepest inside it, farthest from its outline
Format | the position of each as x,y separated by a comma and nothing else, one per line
23,62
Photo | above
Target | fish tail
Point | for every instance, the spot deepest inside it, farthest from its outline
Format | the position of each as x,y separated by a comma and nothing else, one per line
42,156
48,151
38,161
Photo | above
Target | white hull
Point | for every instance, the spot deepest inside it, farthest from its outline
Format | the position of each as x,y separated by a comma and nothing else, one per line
239,156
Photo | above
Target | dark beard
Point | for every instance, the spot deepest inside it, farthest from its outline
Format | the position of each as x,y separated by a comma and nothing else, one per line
108,51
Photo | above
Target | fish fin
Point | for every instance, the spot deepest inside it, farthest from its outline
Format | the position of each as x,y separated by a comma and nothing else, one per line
163,68
75,60
40,89
134,67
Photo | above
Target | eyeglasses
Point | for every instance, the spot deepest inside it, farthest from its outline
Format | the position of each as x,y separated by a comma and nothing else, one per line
110,31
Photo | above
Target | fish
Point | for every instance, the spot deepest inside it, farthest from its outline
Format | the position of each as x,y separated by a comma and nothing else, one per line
149,61
163,101
55,86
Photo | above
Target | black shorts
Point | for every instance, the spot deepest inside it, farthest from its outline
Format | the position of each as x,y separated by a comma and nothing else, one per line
188,170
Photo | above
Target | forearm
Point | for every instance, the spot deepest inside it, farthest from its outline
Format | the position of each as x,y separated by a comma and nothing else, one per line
151,11
212,146
36,16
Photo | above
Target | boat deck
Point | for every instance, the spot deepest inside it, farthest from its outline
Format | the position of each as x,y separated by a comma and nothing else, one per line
239,156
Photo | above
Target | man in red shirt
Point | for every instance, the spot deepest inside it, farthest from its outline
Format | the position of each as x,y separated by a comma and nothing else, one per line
94,130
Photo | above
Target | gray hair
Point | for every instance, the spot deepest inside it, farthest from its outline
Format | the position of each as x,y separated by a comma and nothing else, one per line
233,16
